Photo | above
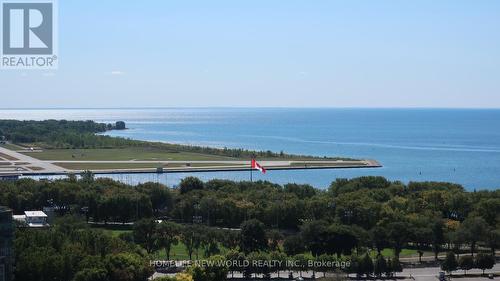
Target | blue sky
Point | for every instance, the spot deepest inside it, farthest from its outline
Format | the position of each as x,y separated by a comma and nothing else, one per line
309,53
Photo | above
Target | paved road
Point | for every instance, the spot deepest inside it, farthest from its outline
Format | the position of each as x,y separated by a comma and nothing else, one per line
25,161
430,273
419,274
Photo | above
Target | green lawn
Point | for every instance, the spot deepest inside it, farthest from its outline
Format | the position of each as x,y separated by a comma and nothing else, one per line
116,232
106,166
109,166
122,154
144,154
405,253
179,252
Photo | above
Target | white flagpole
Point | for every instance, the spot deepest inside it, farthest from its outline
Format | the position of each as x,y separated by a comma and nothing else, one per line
251,171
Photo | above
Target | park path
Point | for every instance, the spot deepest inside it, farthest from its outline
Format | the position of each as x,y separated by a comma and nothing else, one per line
418,274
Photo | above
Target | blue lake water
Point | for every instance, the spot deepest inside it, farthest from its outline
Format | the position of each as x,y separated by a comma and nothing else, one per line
456,145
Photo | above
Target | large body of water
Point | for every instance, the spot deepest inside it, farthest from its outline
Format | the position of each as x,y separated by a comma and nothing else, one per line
461,146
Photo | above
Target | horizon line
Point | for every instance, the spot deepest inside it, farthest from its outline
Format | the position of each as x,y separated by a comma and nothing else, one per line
248,107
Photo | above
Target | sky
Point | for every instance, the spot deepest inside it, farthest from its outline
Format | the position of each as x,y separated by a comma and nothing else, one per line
268,53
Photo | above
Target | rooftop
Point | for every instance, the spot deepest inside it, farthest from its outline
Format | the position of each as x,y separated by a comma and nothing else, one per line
35,214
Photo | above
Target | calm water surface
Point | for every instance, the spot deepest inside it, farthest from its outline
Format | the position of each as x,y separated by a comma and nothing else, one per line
461,146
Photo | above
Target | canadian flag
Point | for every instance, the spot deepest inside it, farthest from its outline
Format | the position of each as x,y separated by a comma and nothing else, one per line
257,166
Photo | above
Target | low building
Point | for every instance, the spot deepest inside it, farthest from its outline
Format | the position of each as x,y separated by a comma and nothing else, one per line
36,219
6,242
33,219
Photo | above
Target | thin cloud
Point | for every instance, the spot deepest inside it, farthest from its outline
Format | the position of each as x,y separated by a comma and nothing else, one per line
117,72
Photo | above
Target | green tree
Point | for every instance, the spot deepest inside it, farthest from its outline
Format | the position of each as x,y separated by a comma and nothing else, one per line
120,125
293,245
253,236
396,265
325,268
189,184
422,236
301,262
389,268
366,265
230,239
167,235
91,274
380,266
159,195
450,263
145,234
237,259
484,262
341,240
87,177
488,208
127,267
493,239
215,270
301,190
466,263
275,237
281,259
437,237
399,234
191,238
43,263
475,229
209,209
379,238
315,236
211,242
456,239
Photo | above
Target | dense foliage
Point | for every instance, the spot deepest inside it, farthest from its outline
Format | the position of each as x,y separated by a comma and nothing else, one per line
256,220
72,251
84,134
57,133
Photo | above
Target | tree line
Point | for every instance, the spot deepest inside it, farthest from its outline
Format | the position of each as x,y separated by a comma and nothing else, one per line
480,261
260,249
362,212
63,134
71,251
348,219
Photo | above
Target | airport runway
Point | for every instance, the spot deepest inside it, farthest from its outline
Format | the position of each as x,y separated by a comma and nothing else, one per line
12,162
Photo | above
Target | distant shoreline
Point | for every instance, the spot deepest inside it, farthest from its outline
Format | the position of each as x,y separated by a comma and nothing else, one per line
72,147
250,107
